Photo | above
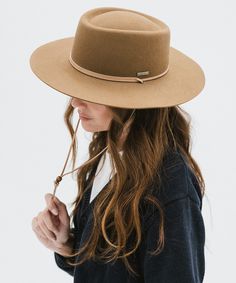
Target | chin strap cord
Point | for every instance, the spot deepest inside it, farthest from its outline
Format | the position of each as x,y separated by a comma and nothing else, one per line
59,178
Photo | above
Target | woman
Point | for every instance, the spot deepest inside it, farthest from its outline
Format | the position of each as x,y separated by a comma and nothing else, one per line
137,216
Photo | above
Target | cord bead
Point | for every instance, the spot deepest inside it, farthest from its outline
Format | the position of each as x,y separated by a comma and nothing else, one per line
58,180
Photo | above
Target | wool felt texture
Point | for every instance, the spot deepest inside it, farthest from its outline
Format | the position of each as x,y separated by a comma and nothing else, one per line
113,43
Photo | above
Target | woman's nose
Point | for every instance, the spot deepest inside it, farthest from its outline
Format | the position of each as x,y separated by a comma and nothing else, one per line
75,102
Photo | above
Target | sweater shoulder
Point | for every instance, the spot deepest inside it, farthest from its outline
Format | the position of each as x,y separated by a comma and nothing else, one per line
177,182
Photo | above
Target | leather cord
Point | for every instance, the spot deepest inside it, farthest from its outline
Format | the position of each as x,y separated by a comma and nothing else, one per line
59,178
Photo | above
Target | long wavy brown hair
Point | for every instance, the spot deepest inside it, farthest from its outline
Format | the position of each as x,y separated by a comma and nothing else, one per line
116,215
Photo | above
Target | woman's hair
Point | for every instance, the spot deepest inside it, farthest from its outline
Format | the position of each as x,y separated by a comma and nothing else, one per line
116,214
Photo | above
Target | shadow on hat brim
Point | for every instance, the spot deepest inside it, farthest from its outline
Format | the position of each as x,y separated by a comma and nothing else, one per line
184,80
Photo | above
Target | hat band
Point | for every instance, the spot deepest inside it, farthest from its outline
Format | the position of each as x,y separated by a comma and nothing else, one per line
114,78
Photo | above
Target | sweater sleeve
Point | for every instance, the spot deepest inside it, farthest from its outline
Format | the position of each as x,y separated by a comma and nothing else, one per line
61,261
182,259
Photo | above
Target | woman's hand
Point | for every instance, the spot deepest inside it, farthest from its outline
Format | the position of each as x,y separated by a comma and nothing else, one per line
52,226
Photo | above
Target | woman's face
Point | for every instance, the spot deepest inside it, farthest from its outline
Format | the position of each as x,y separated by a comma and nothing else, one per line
98,116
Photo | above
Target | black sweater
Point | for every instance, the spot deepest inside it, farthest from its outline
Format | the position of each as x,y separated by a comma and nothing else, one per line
181,261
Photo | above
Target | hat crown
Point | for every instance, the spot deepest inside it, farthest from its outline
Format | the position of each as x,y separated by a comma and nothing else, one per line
124,20
120,42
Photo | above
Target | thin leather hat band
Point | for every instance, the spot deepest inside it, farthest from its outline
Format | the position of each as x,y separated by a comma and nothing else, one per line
116,78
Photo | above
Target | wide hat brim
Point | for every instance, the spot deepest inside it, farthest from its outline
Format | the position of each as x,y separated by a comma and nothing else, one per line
184,80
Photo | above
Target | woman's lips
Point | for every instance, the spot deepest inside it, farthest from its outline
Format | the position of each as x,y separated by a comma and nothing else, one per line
84,117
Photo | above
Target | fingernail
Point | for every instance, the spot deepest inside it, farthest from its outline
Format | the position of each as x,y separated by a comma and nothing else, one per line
54,211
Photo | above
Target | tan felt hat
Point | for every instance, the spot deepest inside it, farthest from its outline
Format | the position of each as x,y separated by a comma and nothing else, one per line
119,57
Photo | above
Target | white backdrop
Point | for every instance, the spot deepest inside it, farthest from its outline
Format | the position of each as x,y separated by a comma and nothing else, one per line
35,141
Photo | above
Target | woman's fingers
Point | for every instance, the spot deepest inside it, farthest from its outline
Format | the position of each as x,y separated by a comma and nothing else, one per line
51,203
39,233
36,228
52,228
63,214
50,221
41,221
